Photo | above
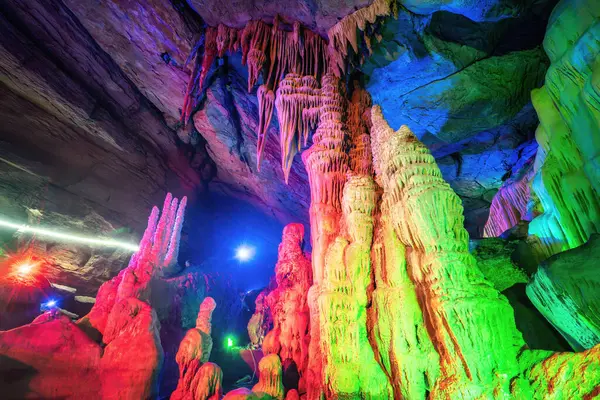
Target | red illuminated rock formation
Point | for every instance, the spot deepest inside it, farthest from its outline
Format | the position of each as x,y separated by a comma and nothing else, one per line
203,384
326,162
287,302
260,321
127,361
269,380
133,354
157,253
197,343
241,394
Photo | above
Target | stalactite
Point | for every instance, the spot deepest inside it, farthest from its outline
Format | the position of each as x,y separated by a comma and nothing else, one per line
345,31
268,49
466,316
295,95
288,300
266,101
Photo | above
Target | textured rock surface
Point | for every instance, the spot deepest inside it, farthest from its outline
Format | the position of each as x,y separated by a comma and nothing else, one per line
566,291
494,259
287,302
198,379
316,15
567,181
413,74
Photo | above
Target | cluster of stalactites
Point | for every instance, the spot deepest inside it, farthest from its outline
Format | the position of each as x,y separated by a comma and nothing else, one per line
297,103
346,32
265,48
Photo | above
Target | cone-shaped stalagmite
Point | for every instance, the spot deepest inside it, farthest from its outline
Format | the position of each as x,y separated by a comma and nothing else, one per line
471,324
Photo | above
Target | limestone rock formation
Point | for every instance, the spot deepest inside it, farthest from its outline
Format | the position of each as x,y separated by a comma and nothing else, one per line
269,378
260,322
58,359
157,254
566,291
195,348
495,260
287,302
413,191
566,180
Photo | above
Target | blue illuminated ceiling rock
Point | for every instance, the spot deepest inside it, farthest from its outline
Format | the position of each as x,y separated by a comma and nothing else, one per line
464,88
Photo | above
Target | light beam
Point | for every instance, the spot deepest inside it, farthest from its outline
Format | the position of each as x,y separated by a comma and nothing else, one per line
69,237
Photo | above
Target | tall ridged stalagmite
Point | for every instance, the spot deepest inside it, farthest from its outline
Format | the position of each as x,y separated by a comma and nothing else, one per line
471,324
326,162
351,369
287,301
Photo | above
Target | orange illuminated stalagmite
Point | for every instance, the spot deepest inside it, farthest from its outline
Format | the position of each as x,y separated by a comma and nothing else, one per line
198,379
326,162
288,300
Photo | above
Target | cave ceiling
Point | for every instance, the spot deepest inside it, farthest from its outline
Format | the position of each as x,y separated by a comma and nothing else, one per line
92,94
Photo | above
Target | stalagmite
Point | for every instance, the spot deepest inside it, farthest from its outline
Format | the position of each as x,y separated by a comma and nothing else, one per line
260,321
326,162
465,315
288,300
157,253
269,382
198,379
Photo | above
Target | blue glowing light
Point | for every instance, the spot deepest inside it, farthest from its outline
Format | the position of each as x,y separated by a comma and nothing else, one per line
244,253
49,304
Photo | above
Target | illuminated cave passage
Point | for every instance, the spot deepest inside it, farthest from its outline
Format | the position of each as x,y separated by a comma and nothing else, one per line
359,199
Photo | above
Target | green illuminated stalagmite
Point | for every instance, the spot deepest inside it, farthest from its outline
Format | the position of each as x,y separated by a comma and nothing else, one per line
403,344
567,166
471,324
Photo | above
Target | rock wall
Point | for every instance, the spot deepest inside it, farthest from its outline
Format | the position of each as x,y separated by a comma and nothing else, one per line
567,177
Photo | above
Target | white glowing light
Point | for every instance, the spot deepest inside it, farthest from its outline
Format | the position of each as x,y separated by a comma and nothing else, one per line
51,303
24,269
244,253
68,237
